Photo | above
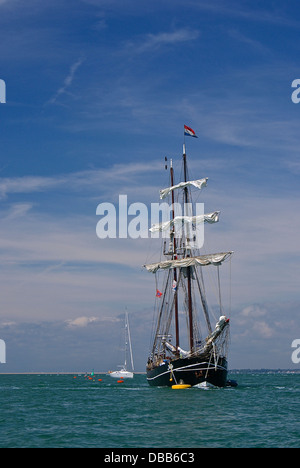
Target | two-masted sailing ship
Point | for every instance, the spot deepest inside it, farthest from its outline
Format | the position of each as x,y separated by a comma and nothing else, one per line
188,351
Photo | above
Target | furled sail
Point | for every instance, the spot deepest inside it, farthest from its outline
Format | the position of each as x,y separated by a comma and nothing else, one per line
202,260
196,183
223,321
174,350
181,220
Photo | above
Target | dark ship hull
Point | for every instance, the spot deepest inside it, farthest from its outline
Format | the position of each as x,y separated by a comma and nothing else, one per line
190,371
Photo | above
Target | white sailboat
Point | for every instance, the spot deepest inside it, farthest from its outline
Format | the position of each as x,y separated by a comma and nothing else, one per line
123,373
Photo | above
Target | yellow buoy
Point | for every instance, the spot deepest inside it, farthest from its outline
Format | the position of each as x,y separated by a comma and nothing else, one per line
180,386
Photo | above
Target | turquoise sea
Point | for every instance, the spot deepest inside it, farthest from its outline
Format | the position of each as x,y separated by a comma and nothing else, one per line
48,411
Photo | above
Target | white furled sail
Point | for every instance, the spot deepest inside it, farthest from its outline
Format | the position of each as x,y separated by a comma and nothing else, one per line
222,323
196,183
175,350
202,260
181,220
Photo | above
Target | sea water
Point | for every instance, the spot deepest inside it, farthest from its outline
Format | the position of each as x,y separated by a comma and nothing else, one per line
48,411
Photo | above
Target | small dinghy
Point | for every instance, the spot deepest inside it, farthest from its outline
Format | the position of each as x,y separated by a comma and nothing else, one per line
204,385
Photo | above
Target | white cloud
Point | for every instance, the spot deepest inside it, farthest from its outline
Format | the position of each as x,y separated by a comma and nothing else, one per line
81,321
7,324
253,311
263,329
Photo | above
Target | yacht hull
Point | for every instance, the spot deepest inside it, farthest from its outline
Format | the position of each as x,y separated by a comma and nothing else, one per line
121,375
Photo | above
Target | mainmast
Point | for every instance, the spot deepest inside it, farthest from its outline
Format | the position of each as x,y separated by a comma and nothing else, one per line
174,257
188,254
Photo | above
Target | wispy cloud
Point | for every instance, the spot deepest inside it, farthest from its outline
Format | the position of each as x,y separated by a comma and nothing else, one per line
18,210
67,81
279,14
27,184
236,9
2,2
95,180
253,43
292,165
152,42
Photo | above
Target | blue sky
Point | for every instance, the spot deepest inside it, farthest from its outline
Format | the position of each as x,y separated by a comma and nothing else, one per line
97,93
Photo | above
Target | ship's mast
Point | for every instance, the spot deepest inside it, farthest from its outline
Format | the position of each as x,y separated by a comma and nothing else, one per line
174,257
189,283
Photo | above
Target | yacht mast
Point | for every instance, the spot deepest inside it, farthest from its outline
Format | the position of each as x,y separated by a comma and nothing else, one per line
129,340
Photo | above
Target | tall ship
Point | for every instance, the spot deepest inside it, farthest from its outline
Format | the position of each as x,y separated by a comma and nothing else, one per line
187,347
